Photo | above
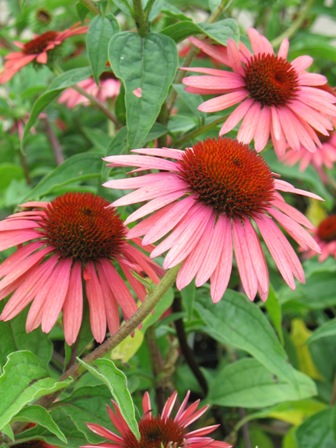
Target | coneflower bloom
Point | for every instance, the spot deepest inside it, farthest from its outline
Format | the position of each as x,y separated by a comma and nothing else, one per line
275,98
69,249
324,157
37,50
325,235
109,87
209,199
163,431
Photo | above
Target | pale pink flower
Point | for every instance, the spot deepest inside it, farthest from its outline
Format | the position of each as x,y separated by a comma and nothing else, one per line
325,235
163,431
207,202
36,50
73,241
324,157
275,98
109,87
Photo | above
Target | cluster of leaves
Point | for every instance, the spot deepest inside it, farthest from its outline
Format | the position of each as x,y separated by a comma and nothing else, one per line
269,368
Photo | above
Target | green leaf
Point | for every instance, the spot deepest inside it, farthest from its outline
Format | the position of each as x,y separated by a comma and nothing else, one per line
77,168
88,405
164,303
325,330
14,338
240,323
317,293
273,308
116,381
40,416
62,82
24,379
100,31
249,384
318,430
148,64
220,31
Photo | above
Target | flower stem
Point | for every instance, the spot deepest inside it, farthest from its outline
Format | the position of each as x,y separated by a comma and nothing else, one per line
302,14
55,144
190,57
140,18
125,330
90,6
196,132
97,103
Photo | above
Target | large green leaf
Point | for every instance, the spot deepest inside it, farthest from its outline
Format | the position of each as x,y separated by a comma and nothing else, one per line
100,31
240,323
24,379
325,330
116,381
14,338
148,64
40,416
317,293
318,431
77,168
62,82
220,31
249,384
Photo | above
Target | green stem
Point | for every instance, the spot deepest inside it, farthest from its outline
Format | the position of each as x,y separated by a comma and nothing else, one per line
196,132
148,8
125,330
190,57
140,18
302,14
98,104
90,6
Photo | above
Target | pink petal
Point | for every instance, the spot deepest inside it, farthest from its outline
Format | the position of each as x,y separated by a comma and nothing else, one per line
168,407
57,290
263,129
169,220
189,239
244,262
120,290
221,276
73,305
95,297
283,50
144,162
196,258
211,50
259,43
249,124
301,63
223,101
236,116
154,205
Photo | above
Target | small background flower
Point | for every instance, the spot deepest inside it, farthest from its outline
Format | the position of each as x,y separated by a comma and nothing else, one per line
324,157
36,50
163,431
109,87
325,235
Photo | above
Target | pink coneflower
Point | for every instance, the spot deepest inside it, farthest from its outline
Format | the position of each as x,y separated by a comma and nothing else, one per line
325,235
109,87
276,98
323,157
158,432
209,199
72,241
36,50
